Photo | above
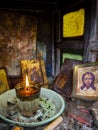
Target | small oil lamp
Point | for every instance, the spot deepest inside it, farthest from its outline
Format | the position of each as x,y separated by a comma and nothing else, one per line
27,94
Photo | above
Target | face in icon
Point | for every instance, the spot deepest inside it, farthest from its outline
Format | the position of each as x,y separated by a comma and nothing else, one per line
88,79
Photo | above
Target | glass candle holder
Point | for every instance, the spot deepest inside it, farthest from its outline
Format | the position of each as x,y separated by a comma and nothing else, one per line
27,98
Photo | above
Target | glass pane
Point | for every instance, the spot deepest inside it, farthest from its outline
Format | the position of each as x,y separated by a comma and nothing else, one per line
71,56
73,23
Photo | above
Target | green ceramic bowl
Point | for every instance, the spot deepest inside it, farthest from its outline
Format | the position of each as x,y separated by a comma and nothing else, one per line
50,94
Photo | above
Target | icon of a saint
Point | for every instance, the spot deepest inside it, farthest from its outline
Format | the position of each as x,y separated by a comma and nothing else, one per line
88,79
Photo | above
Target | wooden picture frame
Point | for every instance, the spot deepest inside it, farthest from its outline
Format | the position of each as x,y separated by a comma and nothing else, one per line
4,84
85,81
35,69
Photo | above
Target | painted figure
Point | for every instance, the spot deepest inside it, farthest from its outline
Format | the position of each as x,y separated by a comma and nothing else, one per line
34,75
88,79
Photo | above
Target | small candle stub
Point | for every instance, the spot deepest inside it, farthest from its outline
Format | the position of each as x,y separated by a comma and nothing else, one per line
17,128
54,124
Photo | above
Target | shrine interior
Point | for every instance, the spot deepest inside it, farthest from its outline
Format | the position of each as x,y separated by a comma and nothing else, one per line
59,38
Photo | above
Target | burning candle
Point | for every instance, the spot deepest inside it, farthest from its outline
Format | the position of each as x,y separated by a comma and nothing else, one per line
27,94
27,90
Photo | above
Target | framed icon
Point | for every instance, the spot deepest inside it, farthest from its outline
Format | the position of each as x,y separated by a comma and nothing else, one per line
85,81
4,83
35,69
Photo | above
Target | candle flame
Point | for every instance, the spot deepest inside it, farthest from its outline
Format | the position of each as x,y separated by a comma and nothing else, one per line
27,81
